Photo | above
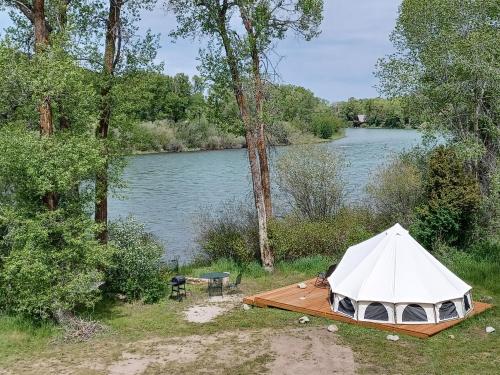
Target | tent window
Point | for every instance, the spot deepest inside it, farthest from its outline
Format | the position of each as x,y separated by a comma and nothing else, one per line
466,303
376,311
447,311
331,297
414,313
346,307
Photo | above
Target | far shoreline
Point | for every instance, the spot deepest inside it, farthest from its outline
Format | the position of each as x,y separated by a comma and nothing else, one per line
307,141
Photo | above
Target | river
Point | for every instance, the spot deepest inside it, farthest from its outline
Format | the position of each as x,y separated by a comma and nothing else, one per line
167,191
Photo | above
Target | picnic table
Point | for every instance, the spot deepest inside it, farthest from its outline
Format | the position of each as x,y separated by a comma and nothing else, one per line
214,282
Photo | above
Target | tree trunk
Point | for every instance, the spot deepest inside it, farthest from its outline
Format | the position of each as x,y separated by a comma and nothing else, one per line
101,185
266,255
259,108
45,109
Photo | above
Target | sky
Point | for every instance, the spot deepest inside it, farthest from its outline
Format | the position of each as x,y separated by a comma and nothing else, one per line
337,65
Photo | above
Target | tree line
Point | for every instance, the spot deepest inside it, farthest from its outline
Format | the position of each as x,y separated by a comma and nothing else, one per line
174,113
377,112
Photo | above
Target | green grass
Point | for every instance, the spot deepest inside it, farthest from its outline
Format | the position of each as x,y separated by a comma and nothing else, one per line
471,351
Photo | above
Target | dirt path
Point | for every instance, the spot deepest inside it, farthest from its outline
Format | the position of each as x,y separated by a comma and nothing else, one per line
303,351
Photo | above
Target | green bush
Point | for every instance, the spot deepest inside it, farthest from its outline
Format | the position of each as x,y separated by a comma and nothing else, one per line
452,201
310,180
135,264
395,191
229,234
292,238
325,125
52,264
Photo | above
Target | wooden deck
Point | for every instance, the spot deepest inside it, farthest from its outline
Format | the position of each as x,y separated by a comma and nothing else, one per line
314,301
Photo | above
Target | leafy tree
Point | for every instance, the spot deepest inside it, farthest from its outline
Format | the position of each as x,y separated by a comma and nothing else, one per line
446,66
49,259
325,125
235,59
452,200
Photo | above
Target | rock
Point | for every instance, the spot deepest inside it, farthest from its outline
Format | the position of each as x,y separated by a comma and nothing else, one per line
452,337
490,329
246,307
304,320
302,298
392,337
302,285
332,328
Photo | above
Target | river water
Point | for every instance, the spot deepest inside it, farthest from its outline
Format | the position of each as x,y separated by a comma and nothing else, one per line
167,191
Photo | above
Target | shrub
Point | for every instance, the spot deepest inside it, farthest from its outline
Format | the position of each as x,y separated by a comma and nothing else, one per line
292,238
229,234
325,125
52,264
395,191
135,264
452,200
310,180
280,133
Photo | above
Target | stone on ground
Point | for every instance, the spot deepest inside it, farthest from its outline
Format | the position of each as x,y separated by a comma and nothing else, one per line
490,329
452,337
392,337
302,285
246,307
303,320
332,328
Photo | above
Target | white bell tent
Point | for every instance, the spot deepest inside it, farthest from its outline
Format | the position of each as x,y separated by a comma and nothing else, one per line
391,278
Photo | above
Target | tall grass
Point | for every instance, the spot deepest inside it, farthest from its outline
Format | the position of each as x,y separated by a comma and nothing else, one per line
18,334
480,272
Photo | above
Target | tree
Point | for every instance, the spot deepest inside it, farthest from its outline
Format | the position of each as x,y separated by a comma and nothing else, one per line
236,60
452,200
34,11
266,21
212,17
446,66
120,21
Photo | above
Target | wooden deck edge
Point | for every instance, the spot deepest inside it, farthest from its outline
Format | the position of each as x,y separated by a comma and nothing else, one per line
259,300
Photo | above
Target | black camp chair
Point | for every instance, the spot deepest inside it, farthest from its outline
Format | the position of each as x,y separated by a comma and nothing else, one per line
235,286
322,276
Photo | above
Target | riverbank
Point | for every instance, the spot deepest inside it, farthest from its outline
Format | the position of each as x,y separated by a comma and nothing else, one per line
158,339
301,139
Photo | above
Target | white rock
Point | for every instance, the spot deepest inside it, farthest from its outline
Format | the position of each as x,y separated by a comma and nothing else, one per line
332,328
302,285
392,337
452,336
246,307
302,298
303,320
490,329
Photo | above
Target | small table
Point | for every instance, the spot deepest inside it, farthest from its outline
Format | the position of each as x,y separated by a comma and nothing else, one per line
214,282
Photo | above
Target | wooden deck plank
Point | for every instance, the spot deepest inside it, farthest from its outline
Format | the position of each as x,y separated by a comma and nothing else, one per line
314,301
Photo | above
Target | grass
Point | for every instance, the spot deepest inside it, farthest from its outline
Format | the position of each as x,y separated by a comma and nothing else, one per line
471,350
